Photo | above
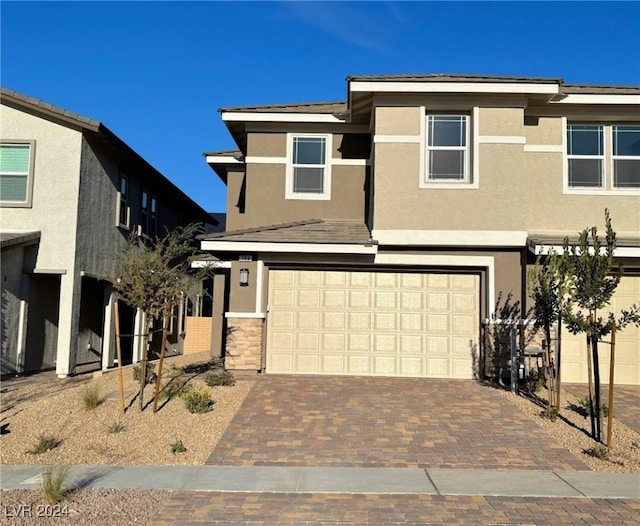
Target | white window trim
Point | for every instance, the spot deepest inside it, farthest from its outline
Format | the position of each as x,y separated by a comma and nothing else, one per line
326,194
28,202
607,164
620,158
472,168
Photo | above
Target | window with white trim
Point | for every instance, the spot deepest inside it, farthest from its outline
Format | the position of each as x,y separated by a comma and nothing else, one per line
16,173
308,167
448,148
603,157
626,156
585,155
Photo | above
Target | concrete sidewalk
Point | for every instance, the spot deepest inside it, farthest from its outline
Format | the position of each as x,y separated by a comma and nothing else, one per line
265,479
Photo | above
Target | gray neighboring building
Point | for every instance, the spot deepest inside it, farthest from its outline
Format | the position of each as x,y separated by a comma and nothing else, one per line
71,193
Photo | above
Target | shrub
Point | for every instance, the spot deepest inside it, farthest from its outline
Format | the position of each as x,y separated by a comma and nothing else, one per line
92,397
45,443
223,378
586,407
151,372
178,447
598,451
53,480
553,414
198,401
116,427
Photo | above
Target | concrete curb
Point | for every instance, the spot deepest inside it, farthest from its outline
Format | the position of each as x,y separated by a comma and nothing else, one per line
476,482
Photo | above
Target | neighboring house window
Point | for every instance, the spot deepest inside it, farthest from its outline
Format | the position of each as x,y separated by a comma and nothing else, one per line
626,156
603,157
308,175
585,155
448,148
122,205
148,211
16,173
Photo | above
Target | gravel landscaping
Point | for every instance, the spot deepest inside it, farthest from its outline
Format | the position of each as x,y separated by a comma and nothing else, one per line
103,435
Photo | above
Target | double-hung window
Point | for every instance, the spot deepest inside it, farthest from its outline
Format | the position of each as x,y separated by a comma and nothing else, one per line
626,156
122,205
448,148
585,155
148,210
16,173
603,157
308,171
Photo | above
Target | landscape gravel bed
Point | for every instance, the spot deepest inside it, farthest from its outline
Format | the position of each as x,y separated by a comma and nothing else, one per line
571,430
55,410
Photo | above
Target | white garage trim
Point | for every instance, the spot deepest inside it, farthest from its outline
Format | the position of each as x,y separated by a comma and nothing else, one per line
373,323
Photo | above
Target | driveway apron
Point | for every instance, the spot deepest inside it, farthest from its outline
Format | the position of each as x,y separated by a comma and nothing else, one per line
384,422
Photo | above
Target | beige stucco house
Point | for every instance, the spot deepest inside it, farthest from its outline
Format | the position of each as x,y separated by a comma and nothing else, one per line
71,193
374,236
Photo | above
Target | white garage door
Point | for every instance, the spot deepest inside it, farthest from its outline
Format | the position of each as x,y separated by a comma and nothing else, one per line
373,323
627,358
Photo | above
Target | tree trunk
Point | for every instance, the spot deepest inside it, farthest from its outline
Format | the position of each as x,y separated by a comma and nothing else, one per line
611,369
596,381
590,375
161,361
558,362
547,363
119,355
143,365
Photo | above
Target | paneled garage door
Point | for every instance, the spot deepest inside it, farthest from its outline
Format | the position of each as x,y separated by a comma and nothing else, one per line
627,359
373,323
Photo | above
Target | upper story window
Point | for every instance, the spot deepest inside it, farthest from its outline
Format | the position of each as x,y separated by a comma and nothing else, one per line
308,170
16,173
123,211
448,148
603,157
148,212
626,156
585,155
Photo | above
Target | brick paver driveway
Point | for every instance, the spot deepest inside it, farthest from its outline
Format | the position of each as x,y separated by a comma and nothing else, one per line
385,422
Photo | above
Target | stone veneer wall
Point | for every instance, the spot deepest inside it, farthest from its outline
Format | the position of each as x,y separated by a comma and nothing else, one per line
244,344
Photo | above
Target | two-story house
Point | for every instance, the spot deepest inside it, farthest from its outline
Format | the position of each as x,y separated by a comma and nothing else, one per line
373,236
71,194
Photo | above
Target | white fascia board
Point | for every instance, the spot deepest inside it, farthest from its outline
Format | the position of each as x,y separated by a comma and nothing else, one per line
308,248
280,117
598,99
455,87
621,252
219,159
466,238
211,264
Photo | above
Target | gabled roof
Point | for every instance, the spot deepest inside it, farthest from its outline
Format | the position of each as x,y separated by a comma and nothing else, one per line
314,231
125,153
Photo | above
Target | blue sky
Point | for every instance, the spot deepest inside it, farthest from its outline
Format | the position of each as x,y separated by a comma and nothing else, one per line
155,73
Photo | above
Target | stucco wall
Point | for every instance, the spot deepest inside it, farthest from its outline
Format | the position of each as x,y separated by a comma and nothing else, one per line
519,188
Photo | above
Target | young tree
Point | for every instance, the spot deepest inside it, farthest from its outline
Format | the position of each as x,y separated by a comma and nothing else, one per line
593,280
151,276
548,282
